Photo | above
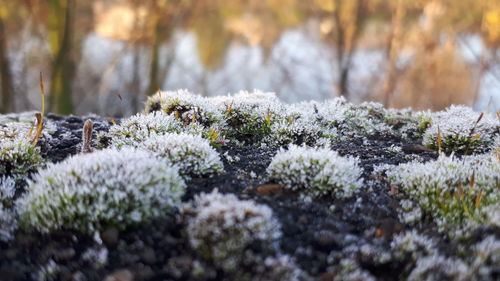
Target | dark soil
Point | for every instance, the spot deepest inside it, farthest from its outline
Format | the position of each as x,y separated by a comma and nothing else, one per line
159,250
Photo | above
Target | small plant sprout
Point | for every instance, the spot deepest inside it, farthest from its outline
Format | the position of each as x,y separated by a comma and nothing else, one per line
89,192
88,129
317,171
39,116
460,129
456,193
191,153
221,227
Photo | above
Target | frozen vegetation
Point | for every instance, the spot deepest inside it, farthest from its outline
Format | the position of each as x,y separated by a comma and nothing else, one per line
246,187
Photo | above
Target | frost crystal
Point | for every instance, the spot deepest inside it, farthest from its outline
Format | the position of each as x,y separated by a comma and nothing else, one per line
487,258
279,268
413,245
8,224
436,267
91,191
460,130
192,154
455,192
318,171
7,190
220,227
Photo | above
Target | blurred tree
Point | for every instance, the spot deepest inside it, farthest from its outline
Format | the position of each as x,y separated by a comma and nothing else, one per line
164,16
60,29
342,25
213,38
395,42
7,104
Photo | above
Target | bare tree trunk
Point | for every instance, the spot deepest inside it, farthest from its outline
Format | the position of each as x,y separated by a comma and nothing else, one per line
347,35
63,66
154,83
394,47
5,77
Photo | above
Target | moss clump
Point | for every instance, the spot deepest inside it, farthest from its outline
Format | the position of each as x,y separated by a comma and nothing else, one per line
106,188
136,129
455,193
316,171
300,125
192,154
221,227
460,129
18,155
187,108
249,116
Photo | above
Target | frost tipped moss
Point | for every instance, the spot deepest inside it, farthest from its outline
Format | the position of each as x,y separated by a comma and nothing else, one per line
187,108
138,128
220,227
317,171
106,188
192,154
454,192
18,155
300,125
461,130
348,120
249,116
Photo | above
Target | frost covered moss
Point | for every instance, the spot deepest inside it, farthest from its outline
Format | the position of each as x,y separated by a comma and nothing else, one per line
300,125
18,155
249,116
191,153
317,171
138,128
461,130
346,120
92,191
220,227
187,108
456,193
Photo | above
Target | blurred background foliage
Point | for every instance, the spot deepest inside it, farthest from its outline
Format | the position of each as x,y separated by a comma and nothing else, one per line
107,56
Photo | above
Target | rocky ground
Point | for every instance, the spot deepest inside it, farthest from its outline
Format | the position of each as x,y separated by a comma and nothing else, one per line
314,231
